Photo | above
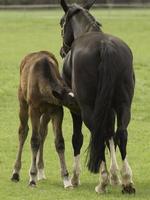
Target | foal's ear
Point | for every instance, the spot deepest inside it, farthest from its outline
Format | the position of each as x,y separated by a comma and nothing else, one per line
64,5
88,4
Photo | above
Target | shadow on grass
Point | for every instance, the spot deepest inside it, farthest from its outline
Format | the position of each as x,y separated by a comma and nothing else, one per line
86,190
142,190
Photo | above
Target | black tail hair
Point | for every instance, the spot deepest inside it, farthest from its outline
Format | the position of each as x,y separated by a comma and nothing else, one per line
105,89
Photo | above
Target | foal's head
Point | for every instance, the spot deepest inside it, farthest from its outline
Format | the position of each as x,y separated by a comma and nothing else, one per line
76,21
66,98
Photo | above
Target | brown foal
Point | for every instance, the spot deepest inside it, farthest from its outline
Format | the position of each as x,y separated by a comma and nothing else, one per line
41,94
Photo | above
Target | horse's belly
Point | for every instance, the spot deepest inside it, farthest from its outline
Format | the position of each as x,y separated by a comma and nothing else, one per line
84,86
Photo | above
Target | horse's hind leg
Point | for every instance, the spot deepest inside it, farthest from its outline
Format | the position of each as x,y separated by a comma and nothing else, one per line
114,178
60,146
35,143
22,133
123,119
77,141
45,118
114,169
104,175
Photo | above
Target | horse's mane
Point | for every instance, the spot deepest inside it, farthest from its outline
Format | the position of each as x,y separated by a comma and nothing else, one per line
92,20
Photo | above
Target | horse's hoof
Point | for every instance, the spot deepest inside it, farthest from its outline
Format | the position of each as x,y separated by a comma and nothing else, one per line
32,184
128,189
41,175
115,181
68,187
100,190
67,183
15,177
75,182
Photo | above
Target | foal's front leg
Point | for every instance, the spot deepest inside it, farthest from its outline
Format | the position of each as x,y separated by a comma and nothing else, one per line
77,141
22,133
35,144
60,145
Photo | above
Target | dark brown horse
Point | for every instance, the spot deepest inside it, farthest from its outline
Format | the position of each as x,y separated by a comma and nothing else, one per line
99,69
41,94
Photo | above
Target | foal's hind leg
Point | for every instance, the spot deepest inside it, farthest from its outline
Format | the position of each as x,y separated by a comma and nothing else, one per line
123,117
35,144
45,118
77,141
60,146
22,133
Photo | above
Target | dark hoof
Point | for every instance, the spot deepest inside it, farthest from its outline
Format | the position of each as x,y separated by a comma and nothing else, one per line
128,189
32,184
15,177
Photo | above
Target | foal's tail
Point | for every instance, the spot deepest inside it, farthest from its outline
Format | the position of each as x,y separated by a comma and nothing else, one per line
49,80
105,89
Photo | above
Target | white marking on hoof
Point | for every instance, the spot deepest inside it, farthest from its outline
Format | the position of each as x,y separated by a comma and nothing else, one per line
77,167
126,173
71,94
41,174
67,183
114,169
99,189
76,171
104,180
75,181
114,180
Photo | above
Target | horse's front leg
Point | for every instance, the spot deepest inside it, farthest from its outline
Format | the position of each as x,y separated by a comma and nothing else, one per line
77,141
60,145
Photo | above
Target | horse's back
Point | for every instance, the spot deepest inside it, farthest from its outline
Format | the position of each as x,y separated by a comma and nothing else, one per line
90,47
87,54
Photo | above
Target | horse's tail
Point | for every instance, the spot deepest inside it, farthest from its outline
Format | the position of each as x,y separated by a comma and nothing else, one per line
105,89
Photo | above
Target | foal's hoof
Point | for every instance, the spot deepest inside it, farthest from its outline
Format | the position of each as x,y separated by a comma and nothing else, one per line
128,189
15,177
32,184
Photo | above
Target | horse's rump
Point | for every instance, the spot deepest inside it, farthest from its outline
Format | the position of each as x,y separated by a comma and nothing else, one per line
98,72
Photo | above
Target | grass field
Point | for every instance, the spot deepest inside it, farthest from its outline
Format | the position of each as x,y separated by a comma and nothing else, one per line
28,31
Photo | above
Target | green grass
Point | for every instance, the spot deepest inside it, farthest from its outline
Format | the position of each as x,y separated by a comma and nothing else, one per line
28,31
